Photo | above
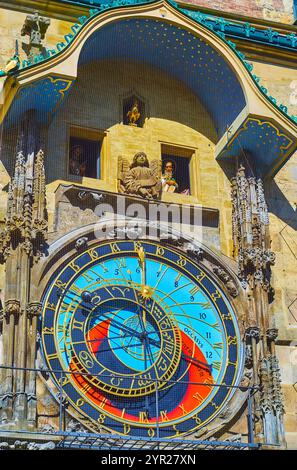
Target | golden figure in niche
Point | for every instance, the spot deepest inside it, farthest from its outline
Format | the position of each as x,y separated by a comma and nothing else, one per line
133,115
140,178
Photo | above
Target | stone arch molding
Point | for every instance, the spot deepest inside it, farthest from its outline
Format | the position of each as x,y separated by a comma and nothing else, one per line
253,113
67,246
66,63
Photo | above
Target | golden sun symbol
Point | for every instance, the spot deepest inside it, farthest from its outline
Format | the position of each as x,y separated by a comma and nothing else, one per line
146,293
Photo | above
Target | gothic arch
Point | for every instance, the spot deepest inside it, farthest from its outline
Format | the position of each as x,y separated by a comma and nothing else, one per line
238,107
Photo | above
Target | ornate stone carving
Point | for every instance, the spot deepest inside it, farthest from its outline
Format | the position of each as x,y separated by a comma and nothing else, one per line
35,26
235,438
132,233
277,394
98,197
248,356
252,332
43,446
22,241
266,396
1,316
196,253
250,224
25,445
271,399
81,243
252,244
26,218
227,280
272,334
246,379
75,426
12,307
47,428
33,309
140,178
171,239
4,246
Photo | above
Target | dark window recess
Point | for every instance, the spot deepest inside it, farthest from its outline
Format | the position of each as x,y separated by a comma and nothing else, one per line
133,111
180,167
84,157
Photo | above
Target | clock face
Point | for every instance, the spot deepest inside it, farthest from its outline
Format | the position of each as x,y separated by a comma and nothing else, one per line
146,335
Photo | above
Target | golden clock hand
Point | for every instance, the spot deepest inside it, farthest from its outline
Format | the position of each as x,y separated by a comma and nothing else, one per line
141,261
146,291
142,265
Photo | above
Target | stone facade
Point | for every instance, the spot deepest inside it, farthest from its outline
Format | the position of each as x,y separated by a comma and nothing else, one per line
10,31
271,10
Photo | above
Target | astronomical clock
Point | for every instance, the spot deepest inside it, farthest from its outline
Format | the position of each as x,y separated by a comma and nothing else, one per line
148,340
163,335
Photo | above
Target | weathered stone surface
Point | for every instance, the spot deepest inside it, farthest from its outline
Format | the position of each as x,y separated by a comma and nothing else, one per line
272,10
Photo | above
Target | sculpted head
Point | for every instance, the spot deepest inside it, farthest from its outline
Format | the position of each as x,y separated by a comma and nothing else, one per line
139,159
169,167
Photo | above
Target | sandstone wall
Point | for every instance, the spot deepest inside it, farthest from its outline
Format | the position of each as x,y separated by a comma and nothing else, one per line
272,10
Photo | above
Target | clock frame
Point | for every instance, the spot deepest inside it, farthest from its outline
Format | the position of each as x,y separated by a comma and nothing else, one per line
97,415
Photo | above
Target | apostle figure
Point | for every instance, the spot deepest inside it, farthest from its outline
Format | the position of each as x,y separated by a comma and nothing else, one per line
168,182
142,180
77,162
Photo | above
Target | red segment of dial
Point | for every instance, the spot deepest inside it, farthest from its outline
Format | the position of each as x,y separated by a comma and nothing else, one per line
194,395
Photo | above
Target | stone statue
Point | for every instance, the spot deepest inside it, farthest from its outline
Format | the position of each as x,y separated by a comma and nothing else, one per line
35,26
140,179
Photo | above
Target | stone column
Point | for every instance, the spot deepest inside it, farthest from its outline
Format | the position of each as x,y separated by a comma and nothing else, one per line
251,240
21,245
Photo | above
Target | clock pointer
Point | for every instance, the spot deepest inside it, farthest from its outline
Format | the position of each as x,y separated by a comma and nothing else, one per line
185,356
143,336
114,322
146,291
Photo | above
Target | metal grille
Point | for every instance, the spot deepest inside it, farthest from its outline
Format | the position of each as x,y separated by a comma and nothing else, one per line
82,438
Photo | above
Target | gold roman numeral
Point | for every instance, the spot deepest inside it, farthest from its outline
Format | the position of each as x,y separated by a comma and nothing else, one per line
216,326
164,416
48,331
51,306
198,397
114,247
181,261
183,409
232,340
143,417
93,254
87,277
194,290
53,356
216,365
102,403
160,251
74,266
78,324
